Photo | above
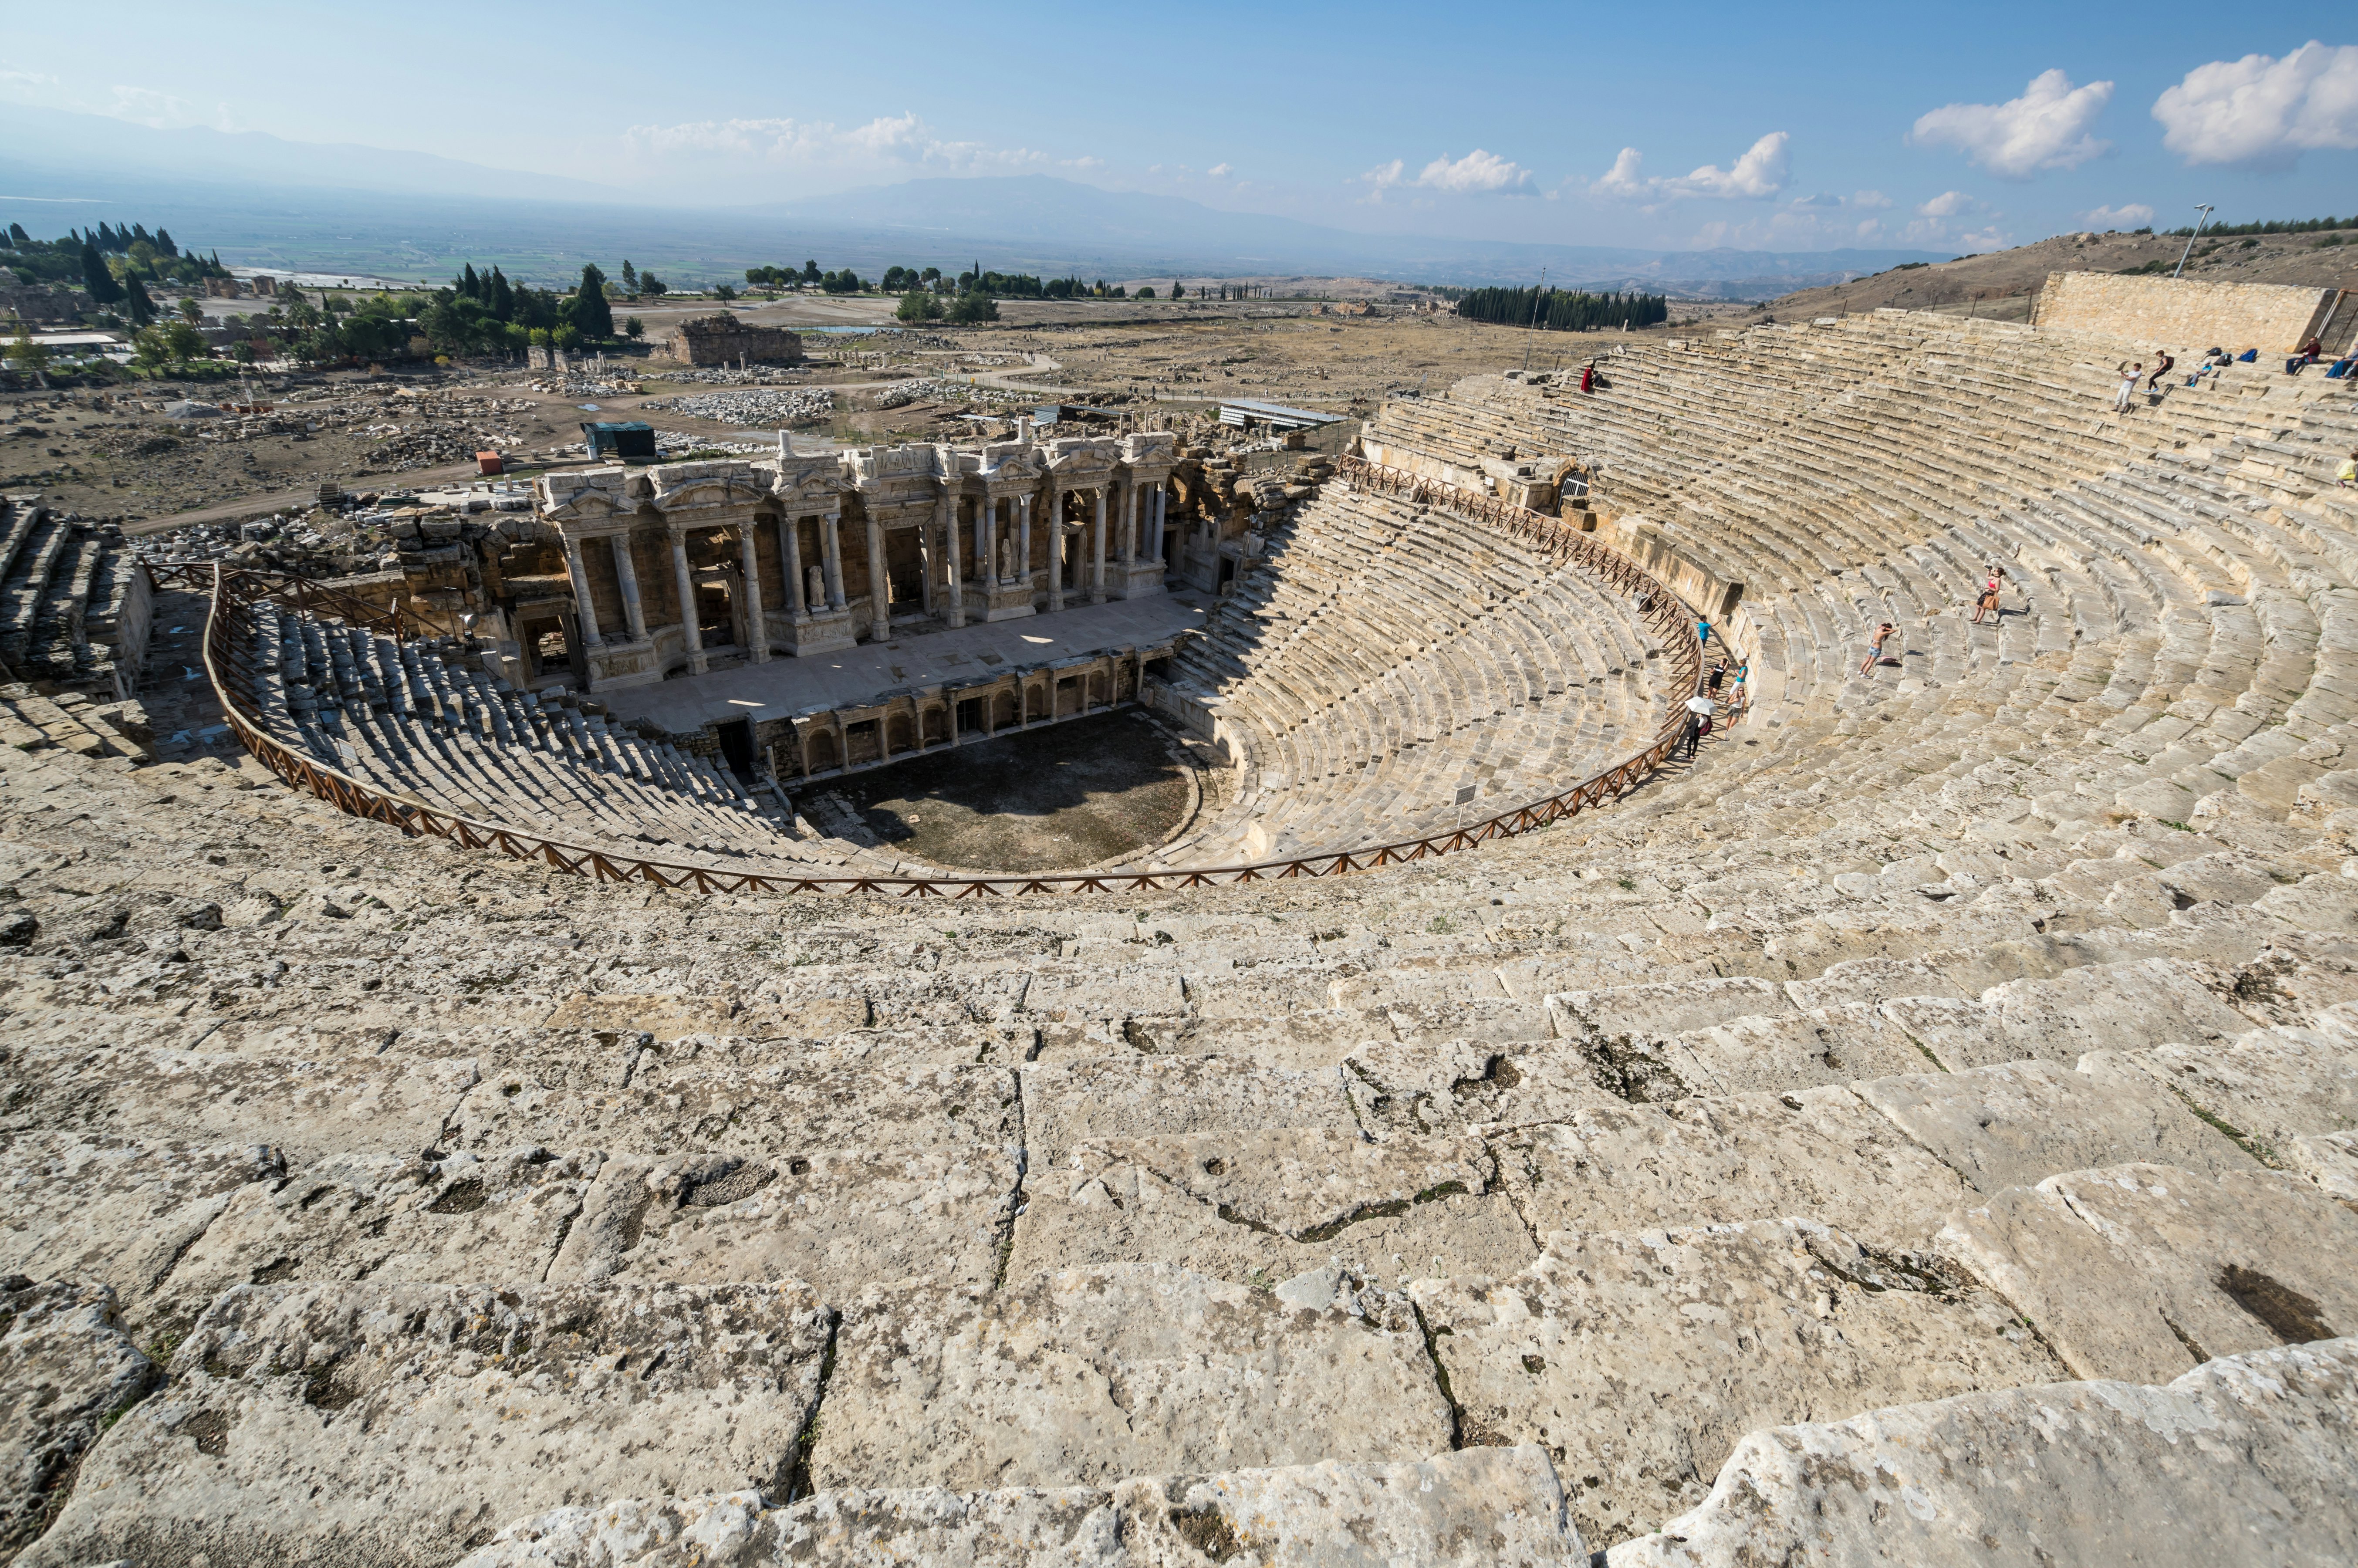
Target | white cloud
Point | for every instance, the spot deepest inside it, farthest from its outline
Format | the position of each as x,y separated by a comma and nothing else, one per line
1870,200
902,139
2128,215
1478,173
2046,127
1218,171
1947,204
1827,202
1760,172
2263,113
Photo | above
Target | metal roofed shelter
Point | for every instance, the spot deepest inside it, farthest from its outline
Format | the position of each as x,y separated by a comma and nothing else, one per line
632,440
1246,412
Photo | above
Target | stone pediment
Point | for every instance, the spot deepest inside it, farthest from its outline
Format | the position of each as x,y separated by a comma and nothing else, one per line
709,490
1087,465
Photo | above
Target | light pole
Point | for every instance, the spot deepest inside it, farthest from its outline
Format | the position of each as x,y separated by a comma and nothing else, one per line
2206,210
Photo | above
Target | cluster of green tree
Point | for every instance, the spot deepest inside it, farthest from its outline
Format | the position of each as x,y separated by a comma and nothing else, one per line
901,280
2272,226
1563,309
782,277
104,261
635,283
483,313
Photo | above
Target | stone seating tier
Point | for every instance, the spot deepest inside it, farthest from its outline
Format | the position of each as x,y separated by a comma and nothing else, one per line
1880,1138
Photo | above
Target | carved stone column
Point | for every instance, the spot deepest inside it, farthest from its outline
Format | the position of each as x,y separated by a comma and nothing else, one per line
790,554
1154,549
690,633
1055,550
1097,549
757,630
831,545
1129,529
990,569
1023,546
949,558
880,590
626,572
584,612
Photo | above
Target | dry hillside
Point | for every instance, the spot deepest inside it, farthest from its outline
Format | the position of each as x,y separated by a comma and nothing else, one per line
2002,282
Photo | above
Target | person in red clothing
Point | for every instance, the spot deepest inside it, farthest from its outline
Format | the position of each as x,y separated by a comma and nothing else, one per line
1588,376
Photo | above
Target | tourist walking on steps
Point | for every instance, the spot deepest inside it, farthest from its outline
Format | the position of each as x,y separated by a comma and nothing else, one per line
1703,633
1874,647
1698,712
1718,674
2153,382
2130,375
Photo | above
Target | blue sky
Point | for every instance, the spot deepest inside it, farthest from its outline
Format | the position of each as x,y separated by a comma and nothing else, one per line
1656,125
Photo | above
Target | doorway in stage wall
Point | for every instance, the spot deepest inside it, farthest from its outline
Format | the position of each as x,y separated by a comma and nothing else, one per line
714,623
905,570
737,747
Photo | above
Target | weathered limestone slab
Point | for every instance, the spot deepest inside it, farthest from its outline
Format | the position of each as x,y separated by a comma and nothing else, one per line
2246,1459
2264,1090
2113,1007
403,1423
2016,1125
304,1110
2140,1272
783,1109
1413,1090
1817,1154
114,1209
1652,1012
1089,1375
1480,1508
1638,1359
387,1219
1823,1046
2330,1159
65,1367
1123,1097
1258,1208
1956,1034
840,1220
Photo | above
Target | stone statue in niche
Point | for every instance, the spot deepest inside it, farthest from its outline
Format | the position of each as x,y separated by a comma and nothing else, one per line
1007,560
817,581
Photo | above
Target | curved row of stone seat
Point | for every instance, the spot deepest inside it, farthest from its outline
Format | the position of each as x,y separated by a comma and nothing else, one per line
1096,1142
1784,1090
1381,657
402,717
66,588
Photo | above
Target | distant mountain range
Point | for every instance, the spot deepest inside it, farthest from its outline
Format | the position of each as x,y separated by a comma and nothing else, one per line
262,200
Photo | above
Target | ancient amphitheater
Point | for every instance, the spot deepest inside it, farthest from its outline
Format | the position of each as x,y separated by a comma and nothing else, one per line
1917,1128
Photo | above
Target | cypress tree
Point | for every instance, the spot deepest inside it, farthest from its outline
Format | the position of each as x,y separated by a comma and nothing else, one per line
592,317
164,245
630,277
18,237
502,296
103,289
139,231
142,308
468,284
105,236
